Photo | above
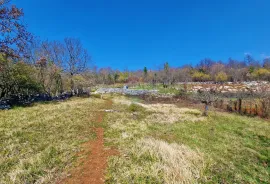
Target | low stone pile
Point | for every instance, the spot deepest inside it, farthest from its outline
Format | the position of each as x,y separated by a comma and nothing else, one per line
4,105
252,86
132,92
7,103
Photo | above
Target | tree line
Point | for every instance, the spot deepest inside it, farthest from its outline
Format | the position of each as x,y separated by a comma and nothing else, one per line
32,66
206,70
29,66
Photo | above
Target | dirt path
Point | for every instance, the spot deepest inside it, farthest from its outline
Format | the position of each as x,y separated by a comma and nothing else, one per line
92,167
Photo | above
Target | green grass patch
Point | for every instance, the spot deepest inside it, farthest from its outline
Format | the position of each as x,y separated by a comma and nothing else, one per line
236,148
136,108
172,89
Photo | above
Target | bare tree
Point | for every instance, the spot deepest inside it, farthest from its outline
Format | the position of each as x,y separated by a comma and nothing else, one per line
266,63
251,62
14,37
216,68
76,58
205,65
207,98
184,74
54,51
264,97
237,70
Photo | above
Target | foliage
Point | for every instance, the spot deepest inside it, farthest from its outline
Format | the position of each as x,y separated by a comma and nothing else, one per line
200,76
221,77
123,77
145,74
17,78
261,73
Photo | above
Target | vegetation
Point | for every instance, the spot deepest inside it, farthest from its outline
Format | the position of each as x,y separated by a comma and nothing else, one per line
170,140
156,143
39,143
14,36
221,77
200,77
54,67
234,148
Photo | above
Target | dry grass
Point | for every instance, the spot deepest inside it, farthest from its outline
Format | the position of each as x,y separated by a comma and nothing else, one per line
164,113
156,161
235,148
169,113
38,143
146,160
159,143
179,163
122,100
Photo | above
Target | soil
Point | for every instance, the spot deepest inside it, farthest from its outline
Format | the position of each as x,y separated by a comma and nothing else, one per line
92,166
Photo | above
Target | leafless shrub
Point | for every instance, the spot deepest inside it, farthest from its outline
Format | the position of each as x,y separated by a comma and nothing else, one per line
207,98
264,97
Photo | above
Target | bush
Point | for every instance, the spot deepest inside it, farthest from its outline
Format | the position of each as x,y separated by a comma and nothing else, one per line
136,108
17,78
96,95
261,74
221,77
200,77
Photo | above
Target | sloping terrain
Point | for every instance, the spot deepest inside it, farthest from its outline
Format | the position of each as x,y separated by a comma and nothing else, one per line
161,143
125,140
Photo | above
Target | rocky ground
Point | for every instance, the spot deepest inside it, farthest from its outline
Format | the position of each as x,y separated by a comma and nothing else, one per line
133,92
252,86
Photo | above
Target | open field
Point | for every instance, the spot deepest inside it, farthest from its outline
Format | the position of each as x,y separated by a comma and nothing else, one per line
222,148
155,143
38,143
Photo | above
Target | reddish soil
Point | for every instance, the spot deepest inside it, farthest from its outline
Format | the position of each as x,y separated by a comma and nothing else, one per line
92,166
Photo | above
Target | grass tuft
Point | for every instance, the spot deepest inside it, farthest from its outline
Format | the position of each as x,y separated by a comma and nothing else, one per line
136,108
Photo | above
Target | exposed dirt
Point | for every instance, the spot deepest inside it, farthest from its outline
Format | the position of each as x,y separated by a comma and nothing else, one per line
92,166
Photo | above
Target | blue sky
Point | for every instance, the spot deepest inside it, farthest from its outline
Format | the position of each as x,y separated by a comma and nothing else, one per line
131,34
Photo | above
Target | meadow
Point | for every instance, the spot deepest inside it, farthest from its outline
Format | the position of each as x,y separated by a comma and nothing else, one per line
155,143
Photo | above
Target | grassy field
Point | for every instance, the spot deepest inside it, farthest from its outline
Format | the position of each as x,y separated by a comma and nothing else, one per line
39,143
166,144
174,90
157,143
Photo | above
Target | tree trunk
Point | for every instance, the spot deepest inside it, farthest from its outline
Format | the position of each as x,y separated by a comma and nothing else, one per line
72,85
239,105
206,107
235,106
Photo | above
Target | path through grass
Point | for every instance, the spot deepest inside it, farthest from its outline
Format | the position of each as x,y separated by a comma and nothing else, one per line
38,143
157,143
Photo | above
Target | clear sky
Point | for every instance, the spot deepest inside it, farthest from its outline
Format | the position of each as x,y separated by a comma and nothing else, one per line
136,33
